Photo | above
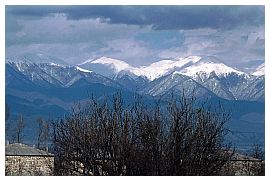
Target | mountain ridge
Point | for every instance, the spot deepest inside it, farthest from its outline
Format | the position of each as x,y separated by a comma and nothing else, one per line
49,89
220,79
187,66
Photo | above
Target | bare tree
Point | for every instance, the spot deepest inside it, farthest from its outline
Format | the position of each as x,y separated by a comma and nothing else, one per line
257,152
43,133
18,130
107,139
194,142
7,121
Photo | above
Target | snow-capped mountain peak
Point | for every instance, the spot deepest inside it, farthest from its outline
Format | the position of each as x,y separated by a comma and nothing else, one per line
260,70
163,67
207,66
191,66
117,65
204,73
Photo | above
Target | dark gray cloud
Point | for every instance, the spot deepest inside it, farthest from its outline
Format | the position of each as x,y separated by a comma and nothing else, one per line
160,17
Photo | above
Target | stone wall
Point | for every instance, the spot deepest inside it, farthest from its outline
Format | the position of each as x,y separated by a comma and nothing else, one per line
29,165
244,168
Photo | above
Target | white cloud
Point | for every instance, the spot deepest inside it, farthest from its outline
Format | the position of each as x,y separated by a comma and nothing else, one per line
228,45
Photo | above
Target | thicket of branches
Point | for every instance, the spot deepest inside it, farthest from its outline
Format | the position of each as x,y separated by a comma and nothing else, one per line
108,139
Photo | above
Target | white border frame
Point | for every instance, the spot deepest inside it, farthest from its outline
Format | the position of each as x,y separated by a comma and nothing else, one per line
133,2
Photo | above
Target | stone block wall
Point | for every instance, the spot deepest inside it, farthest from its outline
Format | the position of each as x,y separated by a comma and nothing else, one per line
29,165
244,168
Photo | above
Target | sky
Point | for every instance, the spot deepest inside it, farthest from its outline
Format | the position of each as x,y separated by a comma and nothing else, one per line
138,35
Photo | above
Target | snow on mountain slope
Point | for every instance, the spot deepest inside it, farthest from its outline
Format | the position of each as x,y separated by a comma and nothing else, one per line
83,70
191,66
224,81
105,66
177,83
115,64
260,70
206,66
155,70
164,67
54,75
35,73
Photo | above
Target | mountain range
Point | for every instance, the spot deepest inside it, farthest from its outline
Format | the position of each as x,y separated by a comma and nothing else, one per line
185,73
40,85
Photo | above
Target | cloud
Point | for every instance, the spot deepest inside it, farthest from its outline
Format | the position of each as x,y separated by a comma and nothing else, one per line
229,46
58,29
137,34
161,39
134,51
159,17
